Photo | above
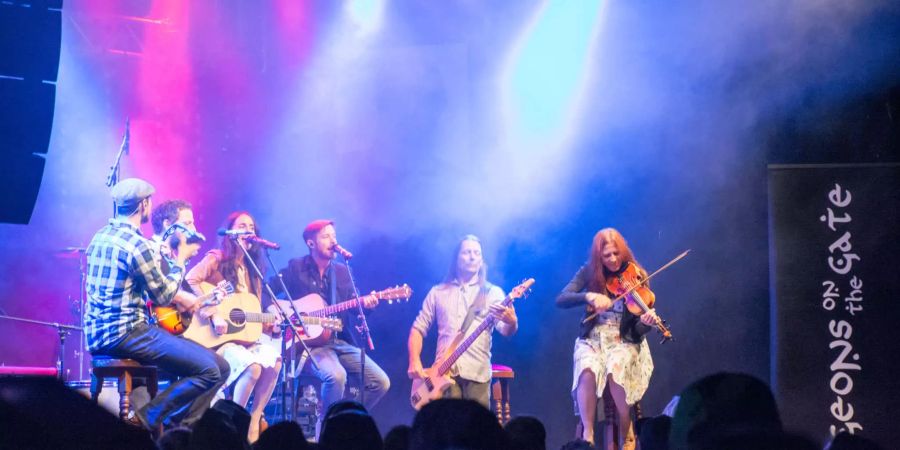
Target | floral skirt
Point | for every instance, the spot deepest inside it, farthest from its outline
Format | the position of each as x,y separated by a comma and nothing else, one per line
604,354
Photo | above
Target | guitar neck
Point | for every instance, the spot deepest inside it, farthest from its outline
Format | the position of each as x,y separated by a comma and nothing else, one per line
275,318
488,322
338,307
261,317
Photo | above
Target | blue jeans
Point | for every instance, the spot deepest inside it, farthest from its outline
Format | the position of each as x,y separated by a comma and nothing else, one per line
200,373
338,360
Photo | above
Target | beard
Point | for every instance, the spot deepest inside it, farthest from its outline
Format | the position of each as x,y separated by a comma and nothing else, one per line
325,253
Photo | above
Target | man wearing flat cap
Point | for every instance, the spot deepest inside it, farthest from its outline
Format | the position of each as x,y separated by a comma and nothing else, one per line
123,273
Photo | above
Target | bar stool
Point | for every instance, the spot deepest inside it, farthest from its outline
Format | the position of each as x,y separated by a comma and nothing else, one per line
500,378
129,374
611,422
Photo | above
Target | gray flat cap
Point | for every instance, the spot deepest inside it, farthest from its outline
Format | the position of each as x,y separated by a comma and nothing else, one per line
130,191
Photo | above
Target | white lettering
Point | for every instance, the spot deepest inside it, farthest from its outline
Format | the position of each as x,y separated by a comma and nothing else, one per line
840,363
829,295
852,428
843,244
831,218
843,265
848,383
841,330
835,196
853,308
840,412
841,261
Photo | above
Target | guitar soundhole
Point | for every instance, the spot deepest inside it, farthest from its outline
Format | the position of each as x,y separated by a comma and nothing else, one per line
237,317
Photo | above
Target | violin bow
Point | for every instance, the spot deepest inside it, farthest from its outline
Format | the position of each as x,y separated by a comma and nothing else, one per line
637,285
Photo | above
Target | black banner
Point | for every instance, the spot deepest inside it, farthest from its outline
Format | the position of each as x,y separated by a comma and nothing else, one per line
834,249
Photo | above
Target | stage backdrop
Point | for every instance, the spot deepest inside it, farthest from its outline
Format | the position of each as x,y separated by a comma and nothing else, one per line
835,254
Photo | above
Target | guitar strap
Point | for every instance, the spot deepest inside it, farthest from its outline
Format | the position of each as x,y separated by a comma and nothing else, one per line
331,279
476,305
332,284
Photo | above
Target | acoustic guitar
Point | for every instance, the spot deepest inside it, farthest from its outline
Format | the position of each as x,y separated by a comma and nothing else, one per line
313,305
175,321
438,381
244,322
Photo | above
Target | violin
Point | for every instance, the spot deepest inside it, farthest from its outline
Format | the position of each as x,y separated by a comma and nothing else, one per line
630,284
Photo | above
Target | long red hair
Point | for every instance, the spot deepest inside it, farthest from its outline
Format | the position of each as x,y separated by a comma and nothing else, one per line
595,257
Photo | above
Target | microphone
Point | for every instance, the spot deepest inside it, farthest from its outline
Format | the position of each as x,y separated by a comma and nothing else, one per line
343,251
262,242
224,232
126,141
191,236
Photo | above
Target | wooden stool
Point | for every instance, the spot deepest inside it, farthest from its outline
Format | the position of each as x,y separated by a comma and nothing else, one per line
611,430
129,374
501,375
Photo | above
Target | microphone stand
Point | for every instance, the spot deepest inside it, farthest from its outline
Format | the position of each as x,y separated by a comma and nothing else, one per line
63,331
113,176
290,322
285,356
363,330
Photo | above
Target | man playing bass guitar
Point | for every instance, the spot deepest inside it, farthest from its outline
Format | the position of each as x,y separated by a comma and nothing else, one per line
458,305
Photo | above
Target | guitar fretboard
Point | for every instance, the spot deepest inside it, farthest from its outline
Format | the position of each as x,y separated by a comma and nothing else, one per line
259,317
268,317
336,308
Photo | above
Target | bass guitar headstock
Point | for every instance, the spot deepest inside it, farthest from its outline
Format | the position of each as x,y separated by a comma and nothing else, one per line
522,290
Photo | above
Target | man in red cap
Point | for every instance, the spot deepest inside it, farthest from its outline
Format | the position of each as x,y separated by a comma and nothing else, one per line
339,359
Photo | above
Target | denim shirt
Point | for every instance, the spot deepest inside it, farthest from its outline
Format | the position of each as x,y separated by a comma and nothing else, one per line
447,305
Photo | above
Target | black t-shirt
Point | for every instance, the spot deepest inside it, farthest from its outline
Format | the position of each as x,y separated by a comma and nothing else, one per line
302,278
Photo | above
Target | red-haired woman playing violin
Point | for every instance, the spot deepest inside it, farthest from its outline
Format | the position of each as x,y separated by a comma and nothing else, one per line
611,349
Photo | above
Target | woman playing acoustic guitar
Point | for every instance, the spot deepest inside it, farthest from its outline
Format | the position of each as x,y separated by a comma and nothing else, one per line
254,367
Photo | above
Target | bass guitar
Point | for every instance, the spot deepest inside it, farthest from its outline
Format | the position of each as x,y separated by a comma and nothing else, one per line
437,381
313,305
244,322
175,321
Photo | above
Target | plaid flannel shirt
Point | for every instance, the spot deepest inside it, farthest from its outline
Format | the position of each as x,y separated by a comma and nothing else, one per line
122,267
